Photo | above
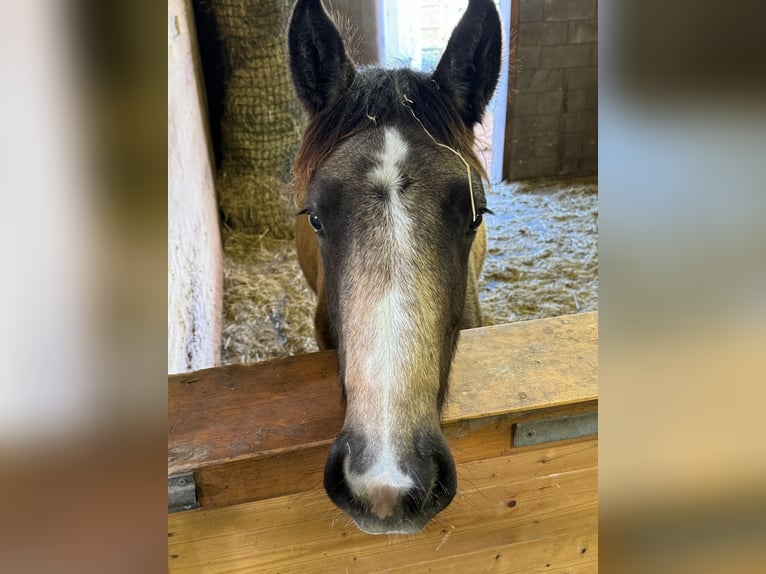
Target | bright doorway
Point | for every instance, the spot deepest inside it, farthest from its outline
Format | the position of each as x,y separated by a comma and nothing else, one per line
414,33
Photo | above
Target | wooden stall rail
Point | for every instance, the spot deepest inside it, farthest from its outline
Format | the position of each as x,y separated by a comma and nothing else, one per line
251,442
251,432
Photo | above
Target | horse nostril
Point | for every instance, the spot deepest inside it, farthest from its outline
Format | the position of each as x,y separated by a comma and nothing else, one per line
413,501
334,476
386,494
445,483
436,484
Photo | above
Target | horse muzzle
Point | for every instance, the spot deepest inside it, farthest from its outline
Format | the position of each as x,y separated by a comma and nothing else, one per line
389,490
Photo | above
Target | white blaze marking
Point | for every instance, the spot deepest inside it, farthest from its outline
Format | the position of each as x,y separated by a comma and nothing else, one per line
381,342
386,173
384,373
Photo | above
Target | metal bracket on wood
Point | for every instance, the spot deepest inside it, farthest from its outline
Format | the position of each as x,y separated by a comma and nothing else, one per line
182,493
558,428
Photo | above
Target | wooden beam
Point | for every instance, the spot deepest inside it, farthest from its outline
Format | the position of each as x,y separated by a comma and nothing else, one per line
250,432
513,46
195,255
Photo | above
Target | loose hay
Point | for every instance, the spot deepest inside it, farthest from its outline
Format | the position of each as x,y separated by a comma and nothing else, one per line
542,250
268,306
542,261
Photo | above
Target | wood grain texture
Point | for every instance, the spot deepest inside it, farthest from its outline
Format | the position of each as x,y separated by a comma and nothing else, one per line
301,469
518,367
531,511
195,254
518,510
260,431
513,45
240,412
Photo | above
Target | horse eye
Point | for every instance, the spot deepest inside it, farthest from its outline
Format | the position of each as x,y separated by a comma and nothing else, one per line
314,222
474,225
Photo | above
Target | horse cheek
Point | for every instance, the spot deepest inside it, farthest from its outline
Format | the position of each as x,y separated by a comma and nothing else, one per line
307,248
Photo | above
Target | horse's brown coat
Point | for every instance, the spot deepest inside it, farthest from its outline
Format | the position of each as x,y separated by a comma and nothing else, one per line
393,242
311,263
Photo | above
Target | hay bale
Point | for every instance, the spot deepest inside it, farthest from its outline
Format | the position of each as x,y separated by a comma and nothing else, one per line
262,120
268,306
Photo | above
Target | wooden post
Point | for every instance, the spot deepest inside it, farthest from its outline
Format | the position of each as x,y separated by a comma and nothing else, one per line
195,276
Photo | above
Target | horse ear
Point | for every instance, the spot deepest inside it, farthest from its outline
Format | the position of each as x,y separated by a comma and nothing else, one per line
470,65
321,70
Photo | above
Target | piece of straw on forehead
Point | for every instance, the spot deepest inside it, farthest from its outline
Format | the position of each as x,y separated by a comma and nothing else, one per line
406,103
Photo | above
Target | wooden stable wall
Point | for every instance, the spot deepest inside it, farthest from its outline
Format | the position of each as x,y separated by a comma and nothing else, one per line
255,438
195,272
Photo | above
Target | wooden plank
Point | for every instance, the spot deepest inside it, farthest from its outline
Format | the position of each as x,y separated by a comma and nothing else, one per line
195,255
260,431
524,465
239,412
561,554
301,469
531,365
530,512
513,39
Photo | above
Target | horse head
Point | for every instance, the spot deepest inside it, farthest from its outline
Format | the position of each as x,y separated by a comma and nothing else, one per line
391,238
